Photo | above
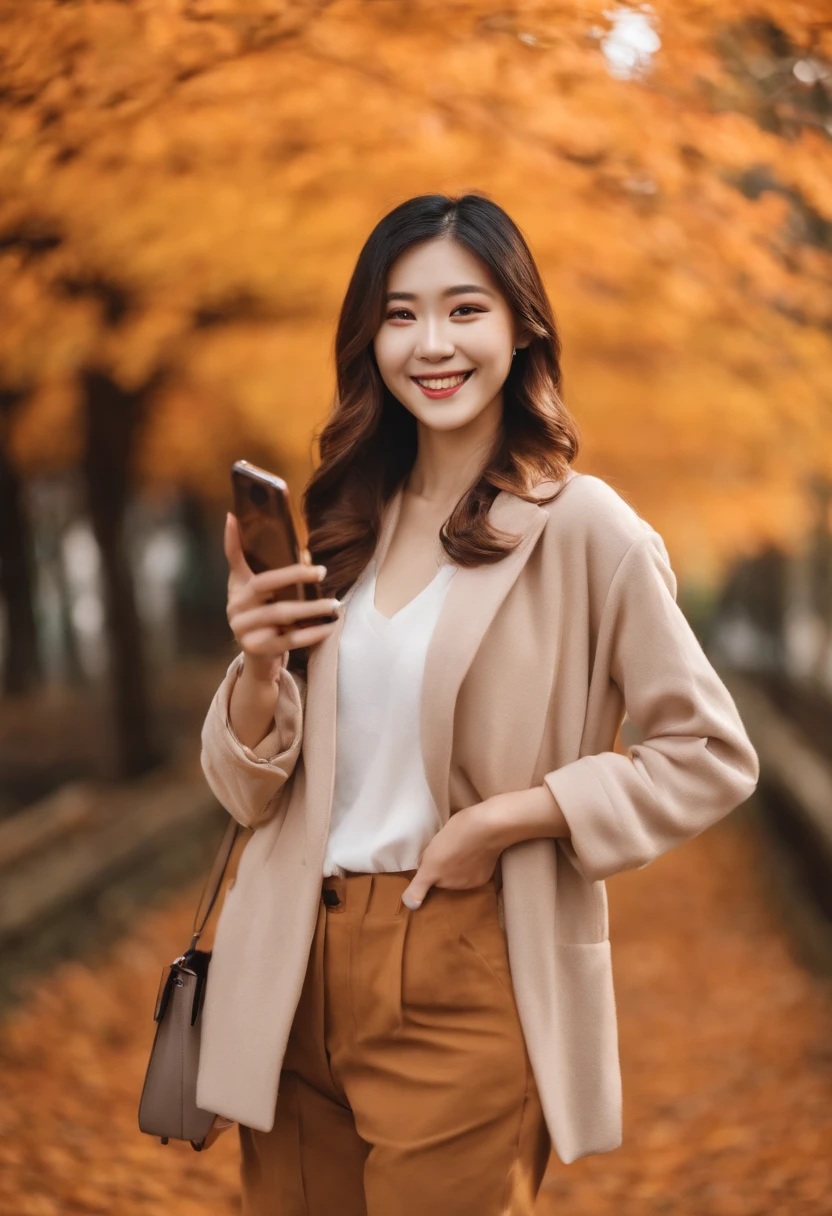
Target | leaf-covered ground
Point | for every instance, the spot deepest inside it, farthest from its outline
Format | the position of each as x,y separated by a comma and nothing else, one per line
725,1044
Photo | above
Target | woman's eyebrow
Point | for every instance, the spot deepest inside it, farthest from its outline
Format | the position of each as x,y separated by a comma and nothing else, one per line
461,289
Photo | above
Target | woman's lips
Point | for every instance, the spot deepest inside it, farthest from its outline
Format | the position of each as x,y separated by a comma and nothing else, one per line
437,393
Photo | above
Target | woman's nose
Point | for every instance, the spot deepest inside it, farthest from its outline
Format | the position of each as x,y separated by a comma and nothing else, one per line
433,343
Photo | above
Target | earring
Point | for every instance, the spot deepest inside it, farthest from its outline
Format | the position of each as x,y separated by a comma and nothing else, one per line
515,352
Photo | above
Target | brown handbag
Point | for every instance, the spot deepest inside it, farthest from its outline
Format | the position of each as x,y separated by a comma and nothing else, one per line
167,1107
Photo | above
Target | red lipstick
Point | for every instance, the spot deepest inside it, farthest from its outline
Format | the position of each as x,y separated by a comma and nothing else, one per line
438,393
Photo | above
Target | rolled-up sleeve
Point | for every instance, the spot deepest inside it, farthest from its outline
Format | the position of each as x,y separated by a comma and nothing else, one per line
246,780
695,763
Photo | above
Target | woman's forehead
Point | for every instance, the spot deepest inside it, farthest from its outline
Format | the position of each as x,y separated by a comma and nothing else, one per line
439,267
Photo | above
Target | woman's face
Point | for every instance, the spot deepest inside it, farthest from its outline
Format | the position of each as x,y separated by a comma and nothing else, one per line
445,344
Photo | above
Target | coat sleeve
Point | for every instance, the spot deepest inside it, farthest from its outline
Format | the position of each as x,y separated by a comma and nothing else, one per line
695,763
244,779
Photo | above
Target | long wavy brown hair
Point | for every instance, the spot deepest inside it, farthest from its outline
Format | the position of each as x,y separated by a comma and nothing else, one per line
368,444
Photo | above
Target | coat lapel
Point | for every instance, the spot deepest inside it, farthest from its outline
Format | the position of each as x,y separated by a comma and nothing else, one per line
474,595
472,600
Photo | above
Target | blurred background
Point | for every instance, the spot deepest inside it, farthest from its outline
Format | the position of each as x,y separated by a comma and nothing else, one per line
184,188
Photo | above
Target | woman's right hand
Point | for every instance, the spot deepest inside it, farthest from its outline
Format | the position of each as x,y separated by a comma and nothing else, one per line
265,631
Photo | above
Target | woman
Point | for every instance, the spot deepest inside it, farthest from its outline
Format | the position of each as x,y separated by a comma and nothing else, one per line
411,993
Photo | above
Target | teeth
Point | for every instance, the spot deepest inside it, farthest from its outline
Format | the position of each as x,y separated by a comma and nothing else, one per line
447,382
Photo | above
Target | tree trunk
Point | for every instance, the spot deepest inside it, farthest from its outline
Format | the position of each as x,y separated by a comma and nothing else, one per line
200,604
113,418
21,661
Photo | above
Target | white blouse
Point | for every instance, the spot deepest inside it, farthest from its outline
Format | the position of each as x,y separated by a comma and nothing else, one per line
383,813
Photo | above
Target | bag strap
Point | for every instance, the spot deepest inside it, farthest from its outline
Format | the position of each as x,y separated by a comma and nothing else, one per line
215,877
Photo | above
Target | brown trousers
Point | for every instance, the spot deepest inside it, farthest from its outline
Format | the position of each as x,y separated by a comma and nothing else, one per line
406,1087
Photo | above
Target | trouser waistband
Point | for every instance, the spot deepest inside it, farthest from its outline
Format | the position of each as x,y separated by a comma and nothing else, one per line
362,893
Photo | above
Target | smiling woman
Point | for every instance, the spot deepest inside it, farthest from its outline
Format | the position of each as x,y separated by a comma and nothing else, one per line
425,1006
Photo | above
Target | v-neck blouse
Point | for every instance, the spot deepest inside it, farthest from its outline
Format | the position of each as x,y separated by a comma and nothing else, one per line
383,813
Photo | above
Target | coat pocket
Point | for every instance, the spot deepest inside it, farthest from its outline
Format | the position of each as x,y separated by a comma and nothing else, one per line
583,1067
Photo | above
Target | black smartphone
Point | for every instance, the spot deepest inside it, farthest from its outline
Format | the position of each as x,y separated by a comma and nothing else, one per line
268,531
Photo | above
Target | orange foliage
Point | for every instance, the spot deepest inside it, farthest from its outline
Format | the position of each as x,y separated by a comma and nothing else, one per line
187,183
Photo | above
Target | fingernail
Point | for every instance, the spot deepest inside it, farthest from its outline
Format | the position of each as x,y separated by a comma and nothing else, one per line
336,605
413,904
321,572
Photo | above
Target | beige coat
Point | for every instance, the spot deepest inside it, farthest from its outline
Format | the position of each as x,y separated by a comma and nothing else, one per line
530,668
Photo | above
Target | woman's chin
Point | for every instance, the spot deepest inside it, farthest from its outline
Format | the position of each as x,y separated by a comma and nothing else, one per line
446,415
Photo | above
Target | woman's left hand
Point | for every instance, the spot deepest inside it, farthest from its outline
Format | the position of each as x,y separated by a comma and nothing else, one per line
462,854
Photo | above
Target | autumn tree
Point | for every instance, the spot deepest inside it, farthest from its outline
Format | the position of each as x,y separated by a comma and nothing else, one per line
185,187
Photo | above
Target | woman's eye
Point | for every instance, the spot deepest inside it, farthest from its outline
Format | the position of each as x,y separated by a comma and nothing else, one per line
404,314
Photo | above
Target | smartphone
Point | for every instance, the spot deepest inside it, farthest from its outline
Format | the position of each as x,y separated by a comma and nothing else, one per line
268,531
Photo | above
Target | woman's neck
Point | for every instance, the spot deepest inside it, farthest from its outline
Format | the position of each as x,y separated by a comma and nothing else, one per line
446,464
